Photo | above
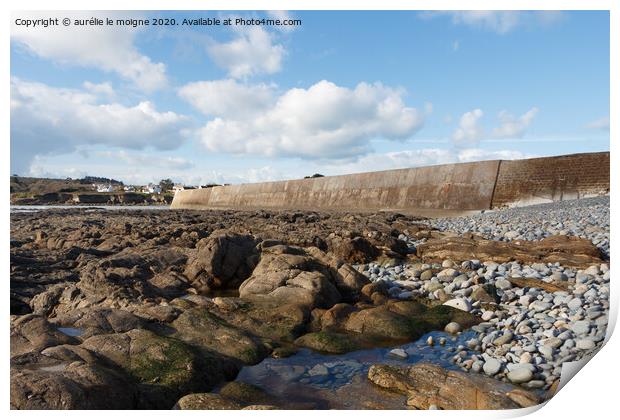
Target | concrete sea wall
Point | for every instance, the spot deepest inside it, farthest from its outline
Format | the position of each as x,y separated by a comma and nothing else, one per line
442,188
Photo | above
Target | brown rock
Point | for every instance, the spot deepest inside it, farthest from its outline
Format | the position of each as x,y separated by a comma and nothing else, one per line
31,333
289,274
567,250
222,261
426,385
206,402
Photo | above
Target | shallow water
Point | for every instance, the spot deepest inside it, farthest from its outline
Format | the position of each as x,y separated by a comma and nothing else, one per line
71,332
37,208
331,378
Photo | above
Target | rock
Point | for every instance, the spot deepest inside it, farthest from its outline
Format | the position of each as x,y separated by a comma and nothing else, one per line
206,402
452,328
462,304
520,375
526,357
210,333
585,344
491,366
426,385
503,339
540,306
328,342
222,261
426,275
398,354
31,333
568,251
503,284
580,327
164,367
486,294
76,385
290,274
487,315
575,304
447,273
355,250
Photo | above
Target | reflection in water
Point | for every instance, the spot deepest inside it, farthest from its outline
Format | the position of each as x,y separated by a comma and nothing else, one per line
36,208
332,379
72,332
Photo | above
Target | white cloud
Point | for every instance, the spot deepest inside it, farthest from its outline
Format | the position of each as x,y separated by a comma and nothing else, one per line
143,160
226,98
323,121
469,129
53,120
417,158
513,127
252,52
499,21
599,124
104,89
110,49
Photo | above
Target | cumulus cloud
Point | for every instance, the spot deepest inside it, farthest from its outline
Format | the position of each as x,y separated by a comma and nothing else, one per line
469,129
47,120
110,49
513,127
105,89
499,21
599,124
228,98
323,121
252,52
417,158
143,160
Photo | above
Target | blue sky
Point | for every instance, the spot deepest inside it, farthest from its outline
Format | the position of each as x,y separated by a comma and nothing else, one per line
343,92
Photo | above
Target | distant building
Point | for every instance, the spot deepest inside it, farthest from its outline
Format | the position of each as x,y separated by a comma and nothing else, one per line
129,188
178,187
104,188
151,189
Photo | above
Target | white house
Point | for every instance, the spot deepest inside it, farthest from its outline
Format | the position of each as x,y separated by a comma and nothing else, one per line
152,189
104,188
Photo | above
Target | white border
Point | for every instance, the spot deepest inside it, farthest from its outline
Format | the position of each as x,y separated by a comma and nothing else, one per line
592,394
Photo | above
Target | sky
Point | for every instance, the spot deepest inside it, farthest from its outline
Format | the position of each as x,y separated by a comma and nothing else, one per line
342,92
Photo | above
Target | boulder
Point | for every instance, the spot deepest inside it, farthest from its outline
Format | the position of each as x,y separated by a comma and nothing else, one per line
213,334
163,368
290,274
76,385
32,333
222,261
427,385
206,401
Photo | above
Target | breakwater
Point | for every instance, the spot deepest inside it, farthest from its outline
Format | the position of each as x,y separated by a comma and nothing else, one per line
452,187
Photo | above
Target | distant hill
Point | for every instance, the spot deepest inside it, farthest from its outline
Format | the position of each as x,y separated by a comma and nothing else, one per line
27,186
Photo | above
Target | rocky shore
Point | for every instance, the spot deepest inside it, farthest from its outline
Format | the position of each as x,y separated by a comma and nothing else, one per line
122,309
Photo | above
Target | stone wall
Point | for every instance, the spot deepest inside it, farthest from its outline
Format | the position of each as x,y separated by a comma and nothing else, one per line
441,188
522,182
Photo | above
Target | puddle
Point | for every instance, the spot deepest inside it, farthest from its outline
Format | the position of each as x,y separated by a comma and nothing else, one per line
71,332
331,378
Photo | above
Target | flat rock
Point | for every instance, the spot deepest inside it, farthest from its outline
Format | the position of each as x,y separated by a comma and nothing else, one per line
427,385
